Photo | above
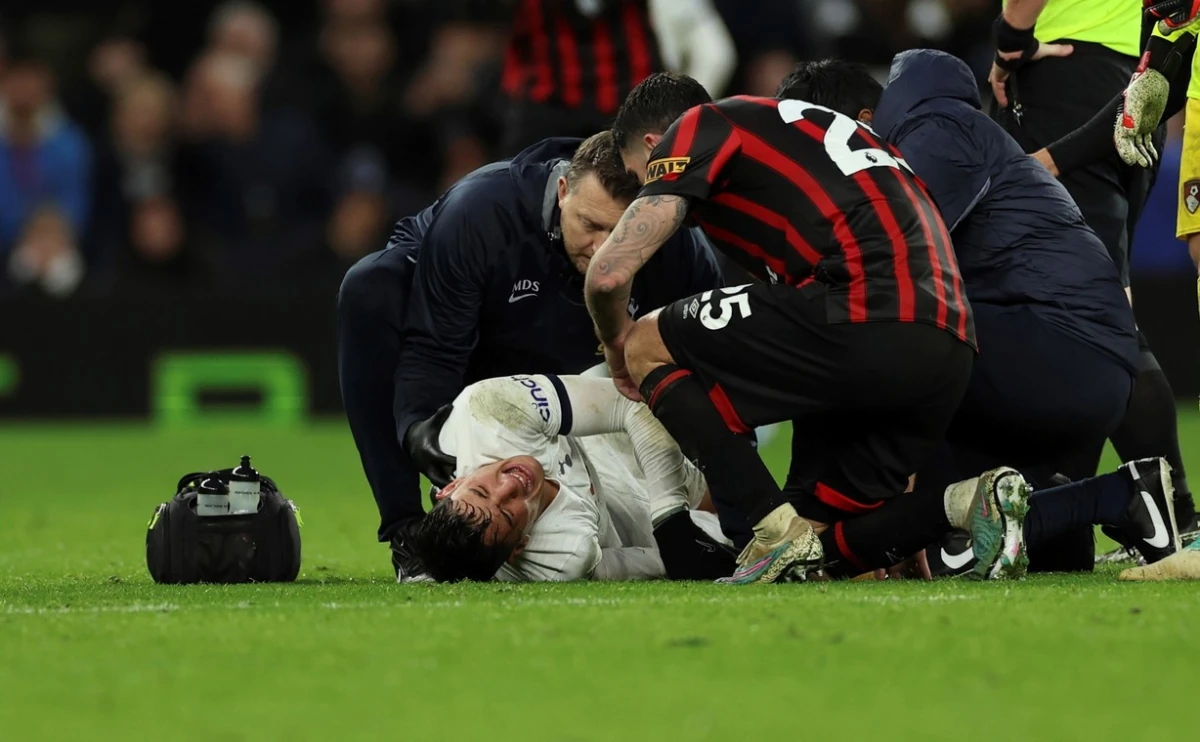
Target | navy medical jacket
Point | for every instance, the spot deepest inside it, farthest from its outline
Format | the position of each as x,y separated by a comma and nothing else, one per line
1018,236
492,290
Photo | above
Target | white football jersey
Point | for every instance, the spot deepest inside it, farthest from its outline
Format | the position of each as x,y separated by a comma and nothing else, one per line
574,427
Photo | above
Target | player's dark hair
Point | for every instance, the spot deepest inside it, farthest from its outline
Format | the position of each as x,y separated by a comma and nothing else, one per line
654,104
452,544
599,156
845,87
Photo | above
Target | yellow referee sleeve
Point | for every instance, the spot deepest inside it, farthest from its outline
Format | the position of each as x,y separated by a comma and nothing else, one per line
1188,219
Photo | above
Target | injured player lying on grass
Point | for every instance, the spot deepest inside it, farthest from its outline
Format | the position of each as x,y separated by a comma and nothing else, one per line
562,478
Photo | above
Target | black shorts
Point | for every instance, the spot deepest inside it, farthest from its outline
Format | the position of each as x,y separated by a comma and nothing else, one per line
1039,399
869,402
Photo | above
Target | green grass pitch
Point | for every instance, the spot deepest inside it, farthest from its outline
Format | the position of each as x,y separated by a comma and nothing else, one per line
91,649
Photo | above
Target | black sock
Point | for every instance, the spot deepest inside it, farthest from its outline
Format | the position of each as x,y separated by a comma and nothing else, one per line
1072,551
1150,428
1059,530
1060,527
689,553
736,476
886,536
1099,501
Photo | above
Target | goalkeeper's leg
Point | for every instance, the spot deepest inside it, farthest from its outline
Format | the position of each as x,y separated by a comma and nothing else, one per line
1150,428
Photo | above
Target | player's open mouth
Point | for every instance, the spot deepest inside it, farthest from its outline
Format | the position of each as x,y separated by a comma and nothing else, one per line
523,475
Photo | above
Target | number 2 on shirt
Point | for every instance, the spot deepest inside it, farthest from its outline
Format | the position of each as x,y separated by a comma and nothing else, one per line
837,140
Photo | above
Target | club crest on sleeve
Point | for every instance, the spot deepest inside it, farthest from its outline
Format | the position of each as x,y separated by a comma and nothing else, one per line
1191,196
666,166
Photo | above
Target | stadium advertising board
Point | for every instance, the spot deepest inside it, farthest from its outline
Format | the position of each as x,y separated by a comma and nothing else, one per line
178,361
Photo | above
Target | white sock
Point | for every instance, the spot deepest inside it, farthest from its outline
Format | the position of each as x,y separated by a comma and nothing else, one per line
661,461
775,525
957,501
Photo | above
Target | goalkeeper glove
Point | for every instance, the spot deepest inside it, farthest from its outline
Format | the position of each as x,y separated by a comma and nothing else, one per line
1142,107
1172,15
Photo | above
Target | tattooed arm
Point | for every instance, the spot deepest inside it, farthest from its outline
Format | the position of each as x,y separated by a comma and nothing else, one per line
647,224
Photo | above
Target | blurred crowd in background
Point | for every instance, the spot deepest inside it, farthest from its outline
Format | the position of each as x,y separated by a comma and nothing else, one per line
161,147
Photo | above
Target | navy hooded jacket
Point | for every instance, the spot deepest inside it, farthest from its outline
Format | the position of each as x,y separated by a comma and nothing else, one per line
1018,236
493,292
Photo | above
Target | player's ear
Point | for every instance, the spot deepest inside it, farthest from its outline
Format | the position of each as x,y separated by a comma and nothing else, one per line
446,491
563,188
651,141
519,549
866,115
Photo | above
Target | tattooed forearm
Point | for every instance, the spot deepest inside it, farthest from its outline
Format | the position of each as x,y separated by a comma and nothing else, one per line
608,308
648,222
643,229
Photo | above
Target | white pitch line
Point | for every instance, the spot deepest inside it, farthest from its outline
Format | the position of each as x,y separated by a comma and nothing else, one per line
508,602
29,610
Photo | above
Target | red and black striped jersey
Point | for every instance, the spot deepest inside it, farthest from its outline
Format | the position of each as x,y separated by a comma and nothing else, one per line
580,53
797,193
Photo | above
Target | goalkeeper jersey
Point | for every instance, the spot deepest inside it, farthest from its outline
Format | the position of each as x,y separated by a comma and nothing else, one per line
1193,90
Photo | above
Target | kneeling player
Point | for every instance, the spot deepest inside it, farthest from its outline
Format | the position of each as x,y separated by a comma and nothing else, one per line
862,337
562,478
1061,346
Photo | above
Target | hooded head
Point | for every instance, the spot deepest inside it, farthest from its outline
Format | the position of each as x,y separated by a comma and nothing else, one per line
919,76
